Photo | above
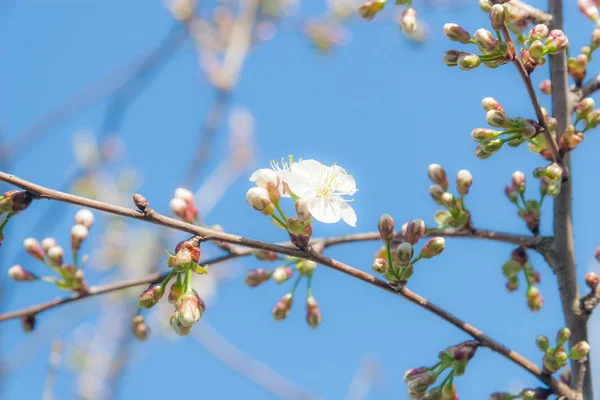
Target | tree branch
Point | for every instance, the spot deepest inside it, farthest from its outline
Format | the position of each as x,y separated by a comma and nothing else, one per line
562,255
590,87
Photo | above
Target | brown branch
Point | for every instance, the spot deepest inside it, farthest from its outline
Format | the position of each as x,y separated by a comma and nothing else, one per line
533,97
590,87
562,255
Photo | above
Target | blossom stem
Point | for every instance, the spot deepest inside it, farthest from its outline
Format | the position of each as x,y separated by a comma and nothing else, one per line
298,279
278,219
8,216
278,206
308,286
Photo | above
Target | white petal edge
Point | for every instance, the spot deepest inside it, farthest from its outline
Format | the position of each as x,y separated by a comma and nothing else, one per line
348,213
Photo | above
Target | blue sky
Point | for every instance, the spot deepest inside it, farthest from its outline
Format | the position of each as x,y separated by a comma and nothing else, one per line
381,107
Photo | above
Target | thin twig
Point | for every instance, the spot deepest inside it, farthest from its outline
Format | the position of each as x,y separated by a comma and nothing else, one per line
590,87
533,97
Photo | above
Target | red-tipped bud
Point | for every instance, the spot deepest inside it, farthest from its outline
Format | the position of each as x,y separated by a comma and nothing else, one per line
592,279
255,277
497,16
33,248
433,247
20,274
580,350
313,313
151,296
556,41
380,265
191,245
485,40
539,32
55,256
456,33
535,301
584,107
283,307
190,308
490,103
408,21
546,87
518,181
139,328
589,9
84,217
78,234
386,227
183,206
415,230
282,274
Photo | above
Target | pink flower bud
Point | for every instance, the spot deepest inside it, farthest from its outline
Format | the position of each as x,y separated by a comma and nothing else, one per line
178,207
151,296
415,230
313,313
580,350
20,274
78,234
283,307
380,265
84,217
490,103
404,253
264,255
438,175
255,277
451,57
433,247
539,32
33,248
190,308
184,194
535,301
258,198
584,107
589,9
595,39
497,16
518,181
282,274
55,256
592,279
456,33
48,243
386,227
408,21
556,41
546,87
139,328
485,40
191,245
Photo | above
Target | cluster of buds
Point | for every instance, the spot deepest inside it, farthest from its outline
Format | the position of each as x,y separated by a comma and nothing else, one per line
494,52
70,276
12,203
577,66
556,357
586,114
589,8
529,210
455,359
517,17
183,206
455,215
284,273
538,144
539,43
515,131
397,265
189,306
519,261
550,180
408,19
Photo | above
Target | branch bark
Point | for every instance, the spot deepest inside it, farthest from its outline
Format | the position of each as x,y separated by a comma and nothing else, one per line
562,255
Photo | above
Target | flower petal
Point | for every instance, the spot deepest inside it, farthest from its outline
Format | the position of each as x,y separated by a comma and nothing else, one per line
348,214
324,210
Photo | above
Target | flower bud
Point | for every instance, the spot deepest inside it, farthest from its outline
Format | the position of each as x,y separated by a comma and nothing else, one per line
28,322
419,383
369,9
264,255
175,291
589,9
554,172
190,308
415,230
178,327
192,246
584,107
48,243
15,201
593,120
491,146
33,248
485,40
563,336
139,328
450,57
468,61
580,350
255,277
570,139
151,296
433,247
380,265
497,16
140,202
313,313
546,87
437,192
490,103
183,261
485,5
20,274
78,234
302,209
55,256
404,253
536,49
556,41
283,307
518,181
386,227
282,274
438,175
519,255
535,301
464,179
265,178
595,39
448,201
258,198
497,118
542,342
306,267
539,32
592,279
84,217
408,21
456,33
299,232
178,207
479,134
